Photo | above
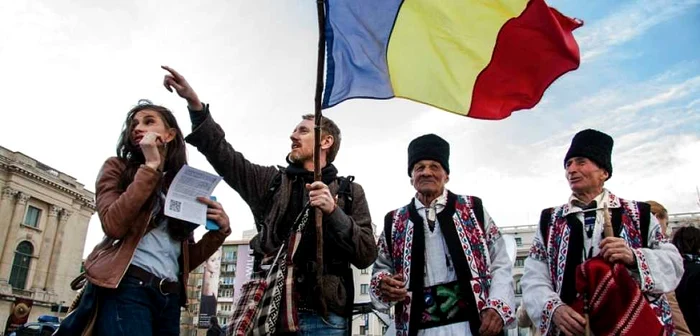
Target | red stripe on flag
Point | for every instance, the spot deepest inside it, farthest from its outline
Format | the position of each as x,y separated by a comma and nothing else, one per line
531,52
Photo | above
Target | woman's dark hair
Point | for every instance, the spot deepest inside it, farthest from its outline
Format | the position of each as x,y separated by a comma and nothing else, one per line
175,158
687,240
213,321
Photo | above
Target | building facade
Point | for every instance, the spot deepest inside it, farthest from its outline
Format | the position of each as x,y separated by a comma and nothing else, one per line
679,220
523,236
366,322
190,314
236,268
44,216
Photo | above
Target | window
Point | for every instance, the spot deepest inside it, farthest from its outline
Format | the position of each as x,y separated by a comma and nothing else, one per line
364,271
20,266
364,289
229,253
518,289
519,262
225,293
31,218
363,330
523,331
519,241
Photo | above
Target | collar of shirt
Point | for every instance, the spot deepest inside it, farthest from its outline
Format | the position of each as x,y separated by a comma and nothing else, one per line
575,205
436,206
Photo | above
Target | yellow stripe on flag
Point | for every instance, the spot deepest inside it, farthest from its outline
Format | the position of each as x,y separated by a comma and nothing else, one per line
438,48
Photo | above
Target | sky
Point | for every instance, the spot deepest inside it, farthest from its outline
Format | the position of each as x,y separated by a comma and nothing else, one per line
70,71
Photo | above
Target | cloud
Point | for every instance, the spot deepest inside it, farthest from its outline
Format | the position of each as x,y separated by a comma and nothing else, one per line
629,23
655,124
73,69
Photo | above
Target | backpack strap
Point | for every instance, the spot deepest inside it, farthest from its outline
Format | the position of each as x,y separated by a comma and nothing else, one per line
266,200
345,191
545,219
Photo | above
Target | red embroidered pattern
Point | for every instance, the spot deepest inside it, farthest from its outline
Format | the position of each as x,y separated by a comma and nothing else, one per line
537,250
547,326
474,244
556,248
503,309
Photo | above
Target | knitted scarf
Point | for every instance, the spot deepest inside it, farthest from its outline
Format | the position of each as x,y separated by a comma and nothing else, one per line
613,300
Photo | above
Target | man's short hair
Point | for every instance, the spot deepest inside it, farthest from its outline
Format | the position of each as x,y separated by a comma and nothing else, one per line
328,127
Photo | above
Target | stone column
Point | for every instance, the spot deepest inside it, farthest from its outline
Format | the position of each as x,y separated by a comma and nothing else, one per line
47,246
6,203
9,248
58,243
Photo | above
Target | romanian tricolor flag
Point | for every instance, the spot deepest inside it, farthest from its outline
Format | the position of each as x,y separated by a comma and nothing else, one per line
479,58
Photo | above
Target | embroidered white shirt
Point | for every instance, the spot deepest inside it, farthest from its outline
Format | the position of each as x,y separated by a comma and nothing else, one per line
439,268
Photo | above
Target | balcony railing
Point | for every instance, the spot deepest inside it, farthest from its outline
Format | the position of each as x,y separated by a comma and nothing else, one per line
22,292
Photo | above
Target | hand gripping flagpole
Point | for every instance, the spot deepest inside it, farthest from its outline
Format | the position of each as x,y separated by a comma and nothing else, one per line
607,223
317,148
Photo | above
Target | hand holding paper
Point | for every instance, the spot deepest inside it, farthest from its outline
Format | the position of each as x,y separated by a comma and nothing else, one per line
214,218
183,198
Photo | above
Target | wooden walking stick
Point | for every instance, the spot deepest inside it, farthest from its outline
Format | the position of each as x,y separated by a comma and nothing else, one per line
607,223
320,9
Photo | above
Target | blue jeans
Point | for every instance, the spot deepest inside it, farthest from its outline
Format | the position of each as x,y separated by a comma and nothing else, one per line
311,324
135,309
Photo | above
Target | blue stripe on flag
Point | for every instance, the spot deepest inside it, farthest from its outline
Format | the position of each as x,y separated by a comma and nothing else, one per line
357,35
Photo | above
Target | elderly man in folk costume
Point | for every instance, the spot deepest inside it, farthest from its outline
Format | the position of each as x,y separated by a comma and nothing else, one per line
442,259
577,280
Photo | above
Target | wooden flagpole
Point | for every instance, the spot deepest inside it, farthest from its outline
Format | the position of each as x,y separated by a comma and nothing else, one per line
318,116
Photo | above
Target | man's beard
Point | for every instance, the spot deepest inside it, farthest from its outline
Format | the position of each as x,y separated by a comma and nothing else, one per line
299,157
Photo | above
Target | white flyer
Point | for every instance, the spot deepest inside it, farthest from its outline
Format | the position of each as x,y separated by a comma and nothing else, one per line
181,200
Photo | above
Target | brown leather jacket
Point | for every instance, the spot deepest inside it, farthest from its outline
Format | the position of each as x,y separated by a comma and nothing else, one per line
124,215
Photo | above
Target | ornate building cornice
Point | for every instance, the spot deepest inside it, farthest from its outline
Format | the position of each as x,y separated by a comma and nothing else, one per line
8,192
84,201
54,211
22,198
65,214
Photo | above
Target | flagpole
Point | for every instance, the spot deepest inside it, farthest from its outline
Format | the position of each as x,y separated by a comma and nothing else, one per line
318,116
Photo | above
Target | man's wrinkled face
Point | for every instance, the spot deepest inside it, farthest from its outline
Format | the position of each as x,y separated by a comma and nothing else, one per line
584,175
428,177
